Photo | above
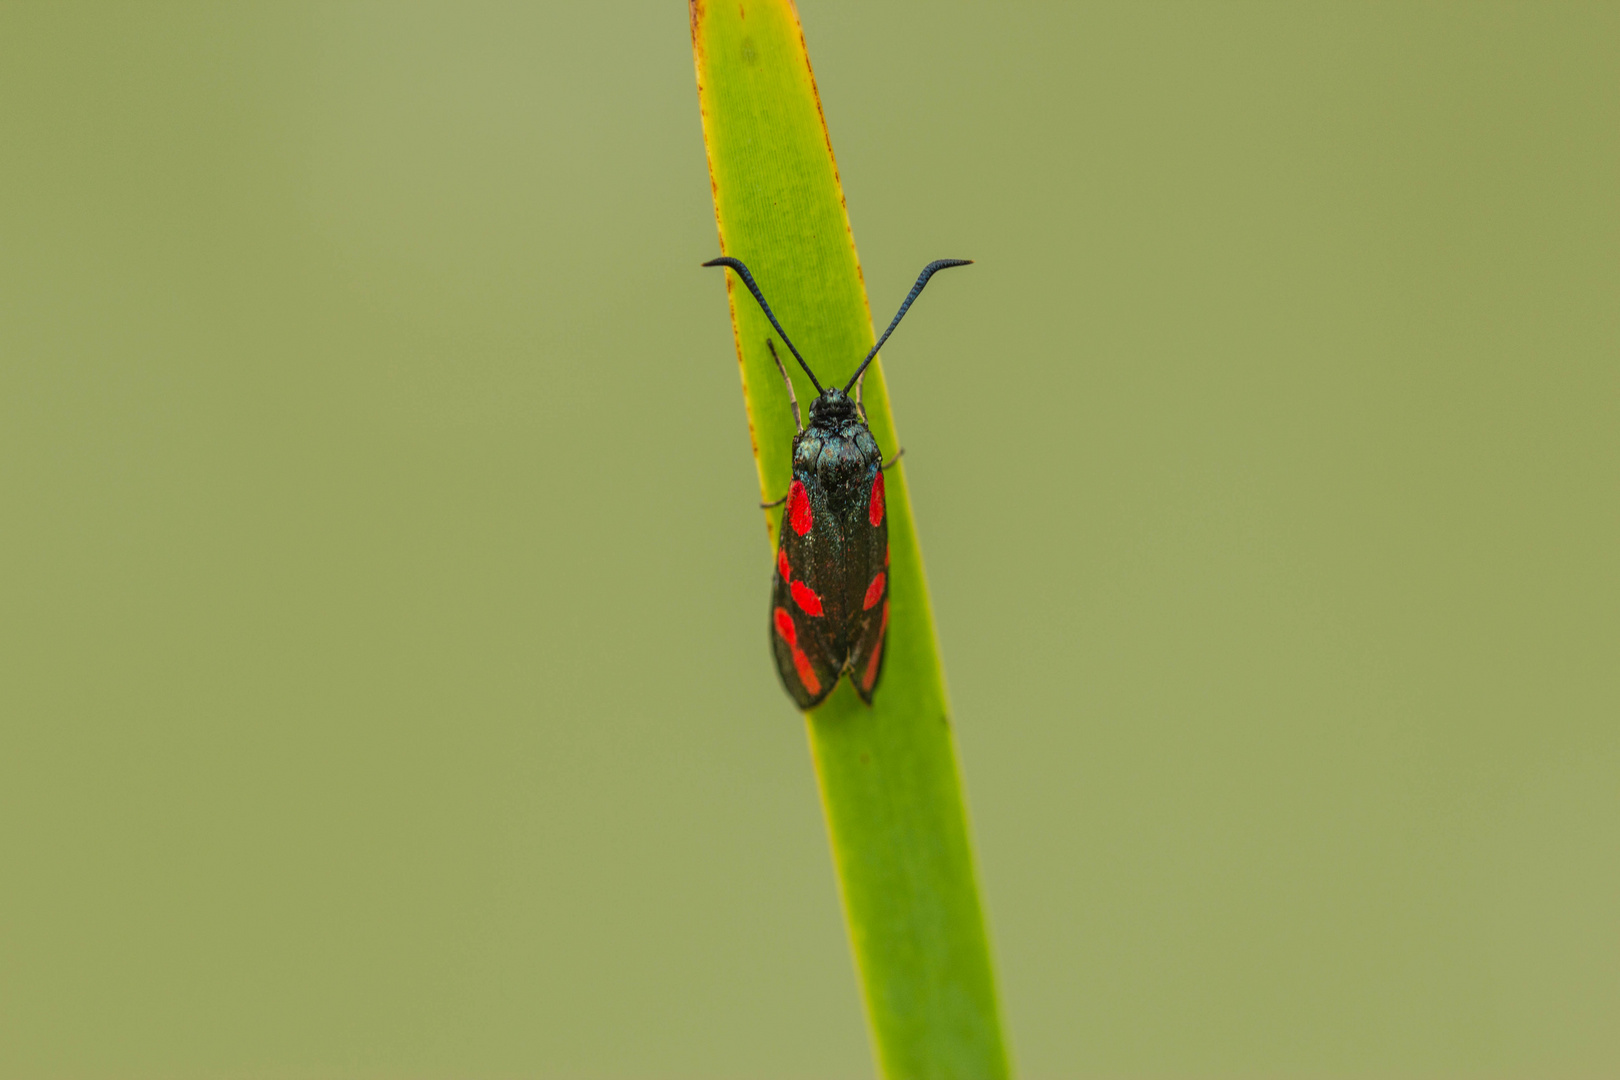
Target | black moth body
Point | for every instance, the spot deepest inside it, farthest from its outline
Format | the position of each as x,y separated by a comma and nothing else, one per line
830,592
830,598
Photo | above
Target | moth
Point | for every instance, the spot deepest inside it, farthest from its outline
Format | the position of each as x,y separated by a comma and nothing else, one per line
830,591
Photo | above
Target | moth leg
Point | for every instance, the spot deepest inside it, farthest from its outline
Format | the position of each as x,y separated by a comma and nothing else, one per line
860,398
892,460
771,505
788,383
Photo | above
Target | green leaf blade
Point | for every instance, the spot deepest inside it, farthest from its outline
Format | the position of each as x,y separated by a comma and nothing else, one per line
888,773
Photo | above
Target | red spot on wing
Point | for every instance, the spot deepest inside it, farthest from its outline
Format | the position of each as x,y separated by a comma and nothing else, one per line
874,512
870,675
801,663
806,598
785,628
807,674
872,667
874,592
798,509
782,564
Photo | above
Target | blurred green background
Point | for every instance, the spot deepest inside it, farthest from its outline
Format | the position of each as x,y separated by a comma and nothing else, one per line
383,679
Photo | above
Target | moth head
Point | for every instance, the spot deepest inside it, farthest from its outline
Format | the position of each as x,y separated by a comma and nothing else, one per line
832,409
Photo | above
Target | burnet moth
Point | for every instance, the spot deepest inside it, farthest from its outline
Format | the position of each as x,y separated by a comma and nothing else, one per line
830,593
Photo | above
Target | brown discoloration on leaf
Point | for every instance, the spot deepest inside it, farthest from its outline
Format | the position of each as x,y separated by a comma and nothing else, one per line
698,10
694,9
838,180
742,366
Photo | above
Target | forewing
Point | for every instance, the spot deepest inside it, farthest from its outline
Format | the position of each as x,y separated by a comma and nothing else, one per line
799,638
868,588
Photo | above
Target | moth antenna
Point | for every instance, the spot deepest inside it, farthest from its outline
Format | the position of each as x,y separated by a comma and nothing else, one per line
922,279
748,280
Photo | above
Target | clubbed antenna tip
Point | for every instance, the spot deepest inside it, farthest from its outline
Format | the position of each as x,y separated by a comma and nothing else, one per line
748,280
922,279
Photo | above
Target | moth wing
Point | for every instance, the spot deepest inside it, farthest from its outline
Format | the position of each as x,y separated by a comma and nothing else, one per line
867,538
798,636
